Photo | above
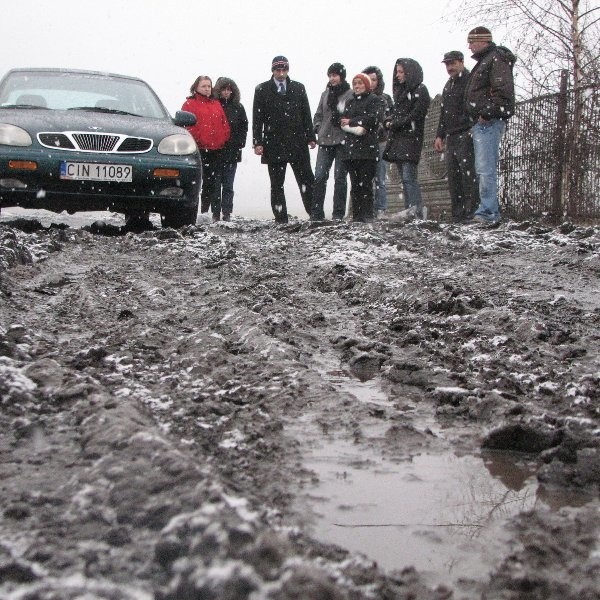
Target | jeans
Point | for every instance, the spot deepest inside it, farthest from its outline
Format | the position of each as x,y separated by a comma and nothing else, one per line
486,143
462,179
362,173
380,177
412,190
325,158
304,178
227,180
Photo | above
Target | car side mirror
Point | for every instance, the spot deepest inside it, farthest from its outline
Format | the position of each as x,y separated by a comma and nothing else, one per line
183,118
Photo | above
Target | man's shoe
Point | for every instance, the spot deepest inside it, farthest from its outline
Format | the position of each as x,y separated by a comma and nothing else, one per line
226,217
216,218
476,220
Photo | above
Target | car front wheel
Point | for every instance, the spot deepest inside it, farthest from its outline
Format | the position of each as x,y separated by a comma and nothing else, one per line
179,217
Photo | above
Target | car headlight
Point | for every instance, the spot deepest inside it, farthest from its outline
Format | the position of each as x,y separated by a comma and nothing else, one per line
11,135
178,144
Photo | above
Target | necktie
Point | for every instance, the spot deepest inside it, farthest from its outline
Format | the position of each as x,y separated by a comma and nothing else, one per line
281,88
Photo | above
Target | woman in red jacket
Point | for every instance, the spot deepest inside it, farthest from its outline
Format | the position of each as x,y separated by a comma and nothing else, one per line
211,132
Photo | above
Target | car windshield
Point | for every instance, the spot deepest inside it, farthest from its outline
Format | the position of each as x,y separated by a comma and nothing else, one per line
80,91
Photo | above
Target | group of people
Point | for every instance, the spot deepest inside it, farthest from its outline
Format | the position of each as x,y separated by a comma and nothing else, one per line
360,129
220,132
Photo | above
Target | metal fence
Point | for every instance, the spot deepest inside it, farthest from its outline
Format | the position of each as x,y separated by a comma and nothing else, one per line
550,157
549,160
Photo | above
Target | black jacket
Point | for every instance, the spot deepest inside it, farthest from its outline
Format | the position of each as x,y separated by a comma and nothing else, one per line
363,111
407,121
490,92
453,115
281,123
238,121
386,102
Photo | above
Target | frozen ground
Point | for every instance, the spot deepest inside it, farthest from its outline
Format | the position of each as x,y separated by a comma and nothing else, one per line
339,412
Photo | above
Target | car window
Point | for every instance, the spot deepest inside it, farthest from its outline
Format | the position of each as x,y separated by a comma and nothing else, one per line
71,91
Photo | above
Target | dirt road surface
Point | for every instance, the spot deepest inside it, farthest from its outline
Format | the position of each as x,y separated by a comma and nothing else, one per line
244,410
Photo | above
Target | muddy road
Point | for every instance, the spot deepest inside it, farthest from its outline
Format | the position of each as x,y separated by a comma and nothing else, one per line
241,410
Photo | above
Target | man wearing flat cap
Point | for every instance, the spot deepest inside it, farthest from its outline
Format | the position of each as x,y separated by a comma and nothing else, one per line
454,137
490,102
282,133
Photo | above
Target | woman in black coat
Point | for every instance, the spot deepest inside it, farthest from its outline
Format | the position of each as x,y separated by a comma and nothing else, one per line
407,127
228,93
360,147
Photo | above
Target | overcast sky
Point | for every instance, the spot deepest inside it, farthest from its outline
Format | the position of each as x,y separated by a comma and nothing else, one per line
169,43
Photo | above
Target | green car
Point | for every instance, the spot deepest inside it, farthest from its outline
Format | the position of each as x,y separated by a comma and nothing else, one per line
84,141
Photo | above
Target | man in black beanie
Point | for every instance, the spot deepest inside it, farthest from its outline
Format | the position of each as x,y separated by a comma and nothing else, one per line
490,102
282,133
326,123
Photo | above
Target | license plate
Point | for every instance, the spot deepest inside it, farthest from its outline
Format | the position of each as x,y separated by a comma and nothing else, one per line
95,172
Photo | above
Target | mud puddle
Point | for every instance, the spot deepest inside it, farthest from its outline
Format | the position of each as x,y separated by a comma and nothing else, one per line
442,513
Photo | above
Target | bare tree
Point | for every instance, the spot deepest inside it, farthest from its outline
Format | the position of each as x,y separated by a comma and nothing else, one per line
548,36
557,43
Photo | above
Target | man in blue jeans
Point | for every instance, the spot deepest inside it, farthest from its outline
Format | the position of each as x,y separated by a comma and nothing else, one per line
490,102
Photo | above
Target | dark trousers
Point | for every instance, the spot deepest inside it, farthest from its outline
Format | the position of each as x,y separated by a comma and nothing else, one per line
325,158
462,178
212,174
362,173
305,179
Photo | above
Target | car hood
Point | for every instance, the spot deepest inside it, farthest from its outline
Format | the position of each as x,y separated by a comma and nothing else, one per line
35,121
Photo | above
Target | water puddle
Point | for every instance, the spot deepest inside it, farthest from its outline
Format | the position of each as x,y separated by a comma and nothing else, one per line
439,512
367,391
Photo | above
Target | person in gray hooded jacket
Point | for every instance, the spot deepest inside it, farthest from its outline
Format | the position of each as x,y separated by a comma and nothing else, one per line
330,138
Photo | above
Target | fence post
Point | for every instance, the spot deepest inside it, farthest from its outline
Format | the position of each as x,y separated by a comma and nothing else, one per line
558,187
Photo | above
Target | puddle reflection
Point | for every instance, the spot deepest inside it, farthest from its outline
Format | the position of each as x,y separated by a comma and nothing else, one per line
442,514
366,391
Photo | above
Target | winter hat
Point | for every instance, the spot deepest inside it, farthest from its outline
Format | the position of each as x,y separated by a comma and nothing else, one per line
479,34
452,56
365,79
337,69
280,62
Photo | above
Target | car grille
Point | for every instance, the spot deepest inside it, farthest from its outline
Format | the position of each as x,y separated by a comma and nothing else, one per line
94,142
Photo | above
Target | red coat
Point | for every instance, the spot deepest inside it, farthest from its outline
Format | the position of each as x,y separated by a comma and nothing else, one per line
211,130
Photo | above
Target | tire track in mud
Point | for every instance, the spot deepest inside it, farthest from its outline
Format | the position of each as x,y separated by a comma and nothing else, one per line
200,362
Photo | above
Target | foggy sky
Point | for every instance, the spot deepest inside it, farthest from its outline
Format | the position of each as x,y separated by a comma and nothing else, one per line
169,43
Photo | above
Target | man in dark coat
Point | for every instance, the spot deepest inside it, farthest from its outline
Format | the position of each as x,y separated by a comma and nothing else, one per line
454,136
490,102
282,133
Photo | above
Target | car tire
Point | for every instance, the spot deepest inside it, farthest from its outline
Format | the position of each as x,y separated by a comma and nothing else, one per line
137,222
179,217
